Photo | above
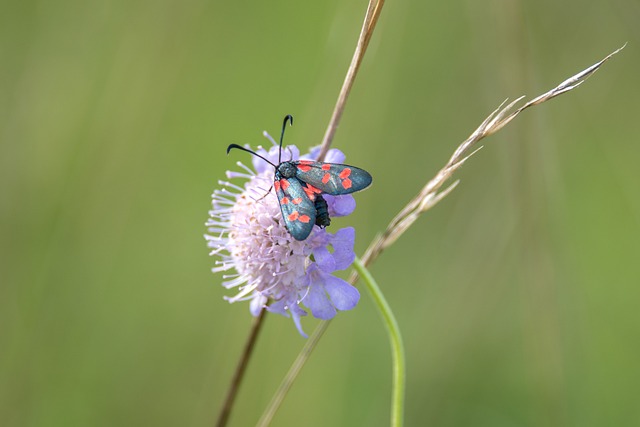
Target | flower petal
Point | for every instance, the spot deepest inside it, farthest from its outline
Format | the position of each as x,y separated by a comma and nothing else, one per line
340,205
290,152
296,312
313,154
279,307
324,259
257,304
260,165
342,294
342,243
334,156
318,301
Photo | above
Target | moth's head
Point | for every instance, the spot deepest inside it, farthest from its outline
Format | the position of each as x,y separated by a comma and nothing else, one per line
286,169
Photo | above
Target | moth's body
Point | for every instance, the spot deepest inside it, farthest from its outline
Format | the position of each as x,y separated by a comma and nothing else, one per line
322,212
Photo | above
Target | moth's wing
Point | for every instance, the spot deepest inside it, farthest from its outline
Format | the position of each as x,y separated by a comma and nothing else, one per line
298,210
333,178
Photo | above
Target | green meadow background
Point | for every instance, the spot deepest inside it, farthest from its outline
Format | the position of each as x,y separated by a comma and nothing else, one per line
517,295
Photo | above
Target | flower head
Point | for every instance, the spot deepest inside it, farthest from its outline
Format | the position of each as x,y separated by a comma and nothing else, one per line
246,232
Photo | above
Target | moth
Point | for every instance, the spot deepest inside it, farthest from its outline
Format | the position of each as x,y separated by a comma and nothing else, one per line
300,184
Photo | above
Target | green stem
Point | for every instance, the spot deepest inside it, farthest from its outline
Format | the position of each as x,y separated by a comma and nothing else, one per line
397,348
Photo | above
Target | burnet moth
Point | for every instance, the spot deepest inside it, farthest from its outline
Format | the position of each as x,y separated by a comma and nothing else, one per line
300,184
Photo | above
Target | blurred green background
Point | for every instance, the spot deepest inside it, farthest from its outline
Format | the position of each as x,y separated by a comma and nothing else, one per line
517,295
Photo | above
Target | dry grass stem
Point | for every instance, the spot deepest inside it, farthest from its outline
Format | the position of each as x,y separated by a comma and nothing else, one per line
369,24
431,193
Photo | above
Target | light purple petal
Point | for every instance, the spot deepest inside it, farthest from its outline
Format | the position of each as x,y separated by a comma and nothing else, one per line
296,312
272,154
289,308
340,205
334,156
342,294
342,243
290,152
260,165
318,302
324,259
257,304
313,154
279,307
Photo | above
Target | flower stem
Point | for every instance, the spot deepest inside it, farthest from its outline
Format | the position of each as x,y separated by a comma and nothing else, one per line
397,348
238,375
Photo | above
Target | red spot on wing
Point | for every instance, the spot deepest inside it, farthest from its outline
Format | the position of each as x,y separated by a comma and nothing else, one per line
285,200
326,177
276,185
304,218
297,200
326,166
314,189
305,162
345,173
295,216
304,168
309,192
284,184
346,183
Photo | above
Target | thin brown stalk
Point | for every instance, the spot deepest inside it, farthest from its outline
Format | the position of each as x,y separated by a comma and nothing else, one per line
369,24
241,368
427,198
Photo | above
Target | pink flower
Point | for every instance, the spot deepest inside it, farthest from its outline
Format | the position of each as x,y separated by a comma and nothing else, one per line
259,256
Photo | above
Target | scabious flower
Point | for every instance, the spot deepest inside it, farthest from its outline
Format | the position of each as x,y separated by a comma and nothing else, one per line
246,232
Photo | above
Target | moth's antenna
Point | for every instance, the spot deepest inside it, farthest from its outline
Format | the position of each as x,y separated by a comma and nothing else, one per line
289,118
249,151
